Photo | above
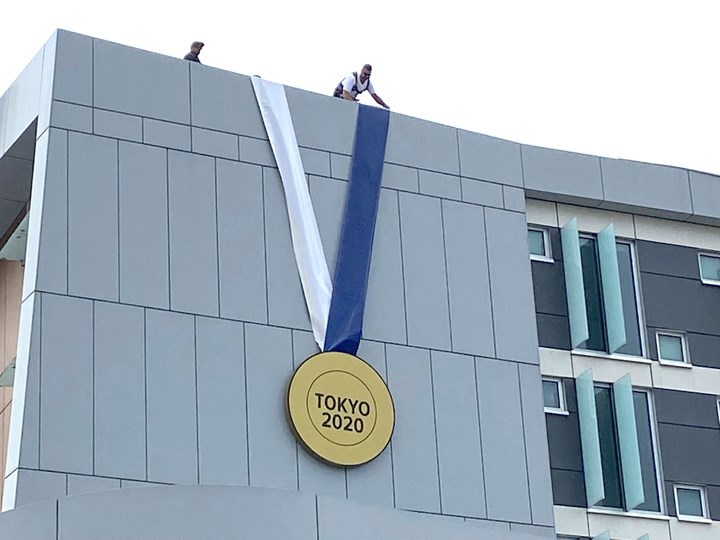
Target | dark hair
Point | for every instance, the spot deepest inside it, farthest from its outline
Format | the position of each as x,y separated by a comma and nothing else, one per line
368,67
197,44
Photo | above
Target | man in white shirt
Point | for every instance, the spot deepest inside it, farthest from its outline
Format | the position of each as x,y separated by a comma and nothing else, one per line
353,85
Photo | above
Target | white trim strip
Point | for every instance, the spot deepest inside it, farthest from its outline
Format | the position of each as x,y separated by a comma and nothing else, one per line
309,253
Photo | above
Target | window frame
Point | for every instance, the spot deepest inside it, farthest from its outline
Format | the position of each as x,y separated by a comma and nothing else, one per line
639,306
685,362
703,503
659,481
562,410
548,257
704,280
652,420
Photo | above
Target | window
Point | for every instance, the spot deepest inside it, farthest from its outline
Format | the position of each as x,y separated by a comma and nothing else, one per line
539,245
610,453
709,268
553,396
672,347
690,502
602,292
594,301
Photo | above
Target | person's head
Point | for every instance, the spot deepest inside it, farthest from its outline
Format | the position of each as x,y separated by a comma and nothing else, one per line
365,72
197,46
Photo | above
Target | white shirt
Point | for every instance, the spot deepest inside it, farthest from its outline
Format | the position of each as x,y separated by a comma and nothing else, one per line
349,82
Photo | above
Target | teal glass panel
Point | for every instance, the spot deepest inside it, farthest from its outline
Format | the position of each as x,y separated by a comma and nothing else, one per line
689,502
551,394
646,448
670,348
589,438
612,482
611,293
602,536
633,345
710,267
644,537
536,242
593,296
574,287
628,443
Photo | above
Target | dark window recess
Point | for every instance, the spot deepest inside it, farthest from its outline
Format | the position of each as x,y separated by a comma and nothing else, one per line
610,453
594,301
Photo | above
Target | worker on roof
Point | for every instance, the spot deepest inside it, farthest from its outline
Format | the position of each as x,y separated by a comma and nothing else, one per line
353,85
195,49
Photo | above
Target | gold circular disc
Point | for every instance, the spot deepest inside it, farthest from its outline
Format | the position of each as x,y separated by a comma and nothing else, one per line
340,409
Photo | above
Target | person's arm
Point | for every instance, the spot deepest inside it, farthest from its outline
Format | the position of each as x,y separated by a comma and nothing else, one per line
348,95
379,100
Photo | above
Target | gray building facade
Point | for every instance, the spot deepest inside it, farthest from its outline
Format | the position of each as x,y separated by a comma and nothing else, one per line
160,317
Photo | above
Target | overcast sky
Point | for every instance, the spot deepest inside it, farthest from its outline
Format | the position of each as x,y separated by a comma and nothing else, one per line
632,79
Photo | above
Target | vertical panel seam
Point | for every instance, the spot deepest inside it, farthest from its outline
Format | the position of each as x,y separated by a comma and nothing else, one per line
297,450
459,156
92,77
602,178
190,107
435,431
247,423
479,405
197,413
392,459
525,445
145,393
39,358
690,191
265,244
402,270
447,274
93,389
317,518
117,176
67,212
490,280
217,235
169,232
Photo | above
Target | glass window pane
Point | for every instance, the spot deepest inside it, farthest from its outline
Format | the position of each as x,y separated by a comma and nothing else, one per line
536,241
593,297
689,502
633,344
647,453
671,348
608,448
551,394
710,267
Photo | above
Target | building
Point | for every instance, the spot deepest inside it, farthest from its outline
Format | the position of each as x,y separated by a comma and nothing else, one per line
153,316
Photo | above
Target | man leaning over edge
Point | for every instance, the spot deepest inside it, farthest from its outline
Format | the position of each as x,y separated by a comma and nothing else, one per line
353,85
